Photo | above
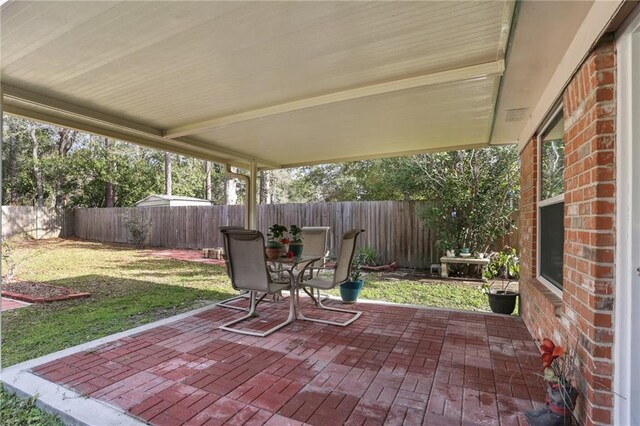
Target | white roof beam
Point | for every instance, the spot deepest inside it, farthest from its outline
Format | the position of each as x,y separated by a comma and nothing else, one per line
12,93
460,74
443,148
57,120
30,104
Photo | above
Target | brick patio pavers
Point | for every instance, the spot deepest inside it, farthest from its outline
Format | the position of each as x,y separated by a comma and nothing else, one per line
394,365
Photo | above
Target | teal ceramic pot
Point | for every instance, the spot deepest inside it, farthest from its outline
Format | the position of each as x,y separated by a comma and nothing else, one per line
296,248
350,290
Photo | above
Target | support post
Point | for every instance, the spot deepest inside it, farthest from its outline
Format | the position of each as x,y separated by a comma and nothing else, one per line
251,195
247,182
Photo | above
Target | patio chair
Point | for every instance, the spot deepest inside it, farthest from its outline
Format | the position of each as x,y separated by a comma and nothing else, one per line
243,295
341,274
248,272
315,240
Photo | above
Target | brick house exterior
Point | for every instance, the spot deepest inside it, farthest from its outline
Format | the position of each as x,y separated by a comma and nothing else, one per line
583,317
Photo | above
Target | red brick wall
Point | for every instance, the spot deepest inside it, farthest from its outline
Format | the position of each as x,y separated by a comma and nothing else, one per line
585,314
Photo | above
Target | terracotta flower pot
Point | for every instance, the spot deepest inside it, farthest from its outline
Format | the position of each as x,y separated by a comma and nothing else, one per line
273,251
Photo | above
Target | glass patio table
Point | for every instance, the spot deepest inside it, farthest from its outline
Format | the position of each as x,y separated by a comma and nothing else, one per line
289,265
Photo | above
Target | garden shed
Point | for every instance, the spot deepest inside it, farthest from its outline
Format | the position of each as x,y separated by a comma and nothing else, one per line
171,201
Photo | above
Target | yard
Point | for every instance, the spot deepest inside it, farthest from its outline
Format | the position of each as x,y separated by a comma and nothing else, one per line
129,288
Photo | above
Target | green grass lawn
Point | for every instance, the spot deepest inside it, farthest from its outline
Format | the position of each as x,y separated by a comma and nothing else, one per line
130,288
15,411
439,294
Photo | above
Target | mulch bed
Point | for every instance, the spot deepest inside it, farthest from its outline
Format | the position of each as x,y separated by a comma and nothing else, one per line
38,292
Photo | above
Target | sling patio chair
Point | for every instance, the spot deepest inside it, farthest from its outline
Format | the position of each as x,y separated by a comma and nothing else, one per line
248,271
243,295
341,274
315,239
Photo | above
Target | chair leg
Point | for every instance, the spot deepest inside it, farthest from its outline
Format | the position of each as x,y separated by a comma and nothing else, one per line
356,314
252,311
245,295
223,303
312,295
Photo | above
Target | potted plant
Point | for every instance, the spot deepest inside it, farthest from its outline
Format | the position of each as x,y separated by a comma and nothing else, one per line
559,369
275,247
503,268
295,245
350,290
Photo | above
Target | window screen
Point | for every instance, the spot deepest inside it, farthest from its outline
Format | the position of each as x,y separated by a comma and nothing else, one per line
551,210
552,243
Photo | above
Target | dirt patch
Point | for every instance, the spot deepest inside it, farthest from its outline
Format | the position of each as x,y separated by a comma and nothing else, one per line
38,292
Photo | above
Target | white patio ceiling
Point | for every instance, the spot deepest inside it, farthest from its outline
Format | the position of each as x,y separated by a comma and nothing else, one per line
285,83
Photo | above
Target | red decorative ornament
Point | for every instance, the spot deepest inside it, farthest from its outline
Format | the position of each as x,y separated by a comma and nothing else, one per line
550,352
290,254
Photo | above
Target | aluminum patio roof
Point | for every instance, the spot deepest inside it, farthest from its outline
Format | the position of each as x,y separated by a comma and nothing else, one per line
293,83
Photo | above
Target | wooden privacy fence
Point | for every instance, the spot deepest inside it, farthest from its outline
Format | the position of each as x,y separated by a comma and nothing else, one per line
177,227
36,222
393,228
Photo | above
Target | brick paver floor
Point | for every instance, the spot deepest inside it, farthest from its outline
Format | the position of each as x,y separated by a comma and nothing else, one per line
394,365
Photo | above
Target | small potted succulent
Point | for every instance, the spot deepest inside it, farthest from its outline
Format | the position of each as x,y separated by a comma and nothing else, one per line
350,290
295,245
275,246
503,269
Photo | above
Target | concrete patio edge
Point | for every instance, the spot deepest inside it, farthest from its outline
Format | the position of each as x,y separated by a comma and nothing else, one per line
69,406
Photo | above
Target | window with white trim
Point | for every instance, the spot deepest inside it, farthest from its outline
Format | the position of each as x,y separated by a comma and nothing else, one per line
551,205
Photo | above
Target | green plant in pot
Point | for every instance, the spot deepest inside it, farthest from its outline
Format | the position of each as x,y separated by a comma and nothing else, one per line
295,244
350,290
274,246
503,270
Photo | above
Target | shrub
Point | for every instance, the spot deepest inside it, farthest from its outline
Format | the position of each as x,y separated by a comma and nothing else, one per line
368,256
472,195
138,228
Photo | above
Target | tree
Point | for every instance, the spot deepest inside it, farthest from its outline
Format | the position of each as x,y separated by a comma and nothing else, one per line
35,164
207,180
167,173
472,195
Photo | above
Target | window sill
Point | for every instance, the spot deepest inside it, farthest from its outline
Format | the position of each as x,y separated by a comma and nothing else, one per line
554,299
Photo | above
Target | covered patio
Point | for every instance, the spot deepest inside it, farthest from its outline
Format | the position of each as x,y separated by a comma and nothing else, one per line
395,365
266,85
